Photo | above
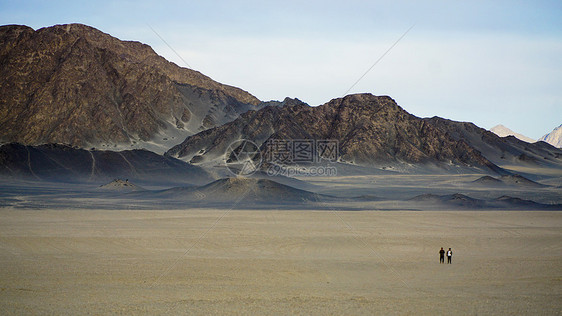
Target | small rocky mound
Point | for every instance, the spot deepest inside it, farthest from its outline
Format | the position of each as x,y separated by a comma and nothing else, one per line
456,200
462,201
238,191
513,180
121,185
487,180
262,190
515,201
426,197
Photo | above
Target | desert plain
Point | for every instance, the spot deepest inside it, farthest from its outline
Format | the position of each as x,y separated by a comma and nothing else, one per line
331,262
132,185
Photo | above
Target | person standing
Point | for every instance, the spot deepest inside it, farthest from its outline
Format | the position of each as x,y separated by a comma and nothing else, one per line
449,255
441,255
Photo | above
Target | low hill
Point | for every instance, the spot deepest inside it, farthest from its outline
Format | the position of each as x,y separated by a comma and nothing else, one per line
235,191
68,164
461,201
487,180
120,185
513,180
519,181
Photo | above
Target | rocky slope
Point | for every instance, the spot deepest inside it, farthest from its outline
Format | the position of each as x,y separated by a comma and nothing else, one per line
370,130
76,85
554,138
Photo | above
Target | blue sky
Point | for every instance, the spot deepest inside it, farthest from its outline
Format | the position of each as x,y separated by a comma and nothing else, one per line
488,62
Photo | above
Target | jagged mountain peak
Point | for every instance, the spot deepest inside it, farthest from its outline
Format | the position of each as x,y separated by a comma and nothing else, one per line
364,103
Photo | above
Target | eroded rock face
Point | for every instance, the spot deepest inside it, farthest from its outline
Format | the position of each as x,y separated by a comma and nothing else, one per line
77,85
369,129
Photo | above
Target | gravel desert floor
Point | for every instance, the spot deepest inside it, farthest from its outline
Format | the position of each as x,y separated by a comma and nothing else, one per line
205,262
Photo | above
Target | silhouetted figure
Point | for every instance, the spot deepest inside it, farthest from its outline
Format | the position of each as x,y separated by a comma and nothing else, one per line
441,255
449,255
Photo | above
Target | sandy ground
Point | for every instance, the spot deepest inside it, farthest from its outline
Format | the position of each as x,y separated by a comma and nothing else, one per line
279,262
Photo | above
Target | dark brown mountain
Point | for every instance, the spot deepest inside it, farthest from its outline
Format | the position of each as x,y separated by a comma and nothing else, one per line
74,84
371,130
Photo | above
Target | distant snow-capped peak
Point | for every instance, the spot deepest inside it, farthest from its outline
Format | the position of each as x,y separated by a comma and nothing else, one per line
554,138
503,131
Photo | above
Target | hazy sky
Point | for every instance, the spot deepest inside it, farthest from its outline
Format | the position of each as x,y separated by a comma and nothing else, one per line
488,62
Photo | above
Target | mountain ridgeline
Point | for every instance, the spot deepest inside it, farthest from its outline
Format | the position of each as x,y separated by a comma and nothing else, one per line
77,86
370,130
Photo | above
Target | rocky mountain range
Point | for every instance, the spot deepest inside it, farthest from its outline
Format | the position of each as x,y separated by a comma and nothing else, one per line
76,85
370,130
554,138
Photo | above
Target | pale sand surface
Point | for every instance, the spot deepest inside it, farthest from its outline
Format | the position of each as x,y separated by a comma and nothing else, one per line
279,262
